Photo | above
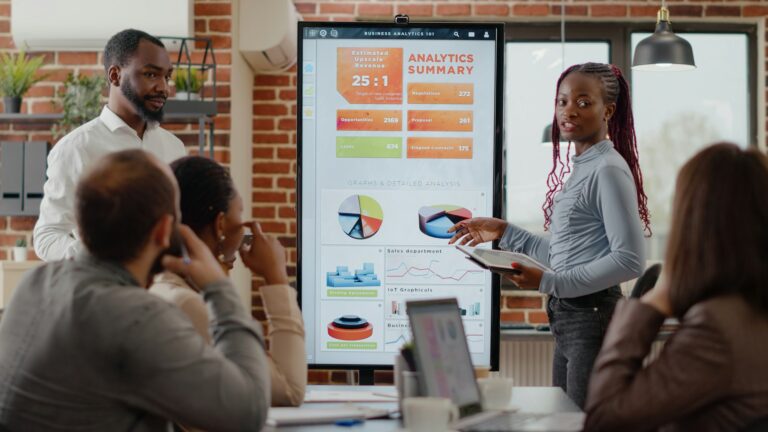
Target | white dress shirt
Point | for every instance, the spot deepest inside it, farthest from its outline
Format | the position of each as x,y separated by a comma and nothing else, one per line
55,235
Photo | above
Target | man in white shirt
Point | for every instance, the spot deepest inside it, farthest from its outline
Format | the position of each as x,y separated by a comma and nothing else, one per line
138,69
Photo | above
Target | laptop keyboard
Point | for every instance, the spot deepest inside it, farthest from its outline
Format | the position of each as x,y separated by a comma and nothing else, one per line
503,423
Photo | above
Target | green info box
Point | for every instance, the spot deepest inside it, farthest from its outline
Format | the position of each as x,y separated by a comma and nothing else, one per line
352,345
356,293
369,147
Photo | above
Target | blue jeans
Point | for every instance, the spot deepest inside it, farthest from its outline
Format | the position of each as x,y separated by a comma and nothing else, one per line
578,325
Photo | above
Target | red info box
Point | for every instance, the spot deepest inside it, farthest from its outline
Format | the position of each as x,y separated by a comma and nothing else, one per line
369,120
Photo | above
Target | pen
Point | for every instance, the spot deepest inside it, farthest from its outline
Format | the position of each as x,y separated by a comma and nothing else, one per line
349,422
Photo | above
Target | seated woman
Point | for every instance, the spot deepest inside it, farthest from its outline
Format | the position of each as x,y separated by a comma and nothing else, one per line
711,374
211,206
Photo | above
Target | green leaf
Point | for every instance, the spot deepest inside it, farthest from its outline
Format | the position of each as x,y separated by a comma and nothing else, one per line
188,80
81,101
18,73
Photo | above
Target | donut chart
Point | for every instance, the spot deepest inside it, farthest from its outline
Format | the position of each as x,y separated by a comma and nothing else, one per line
360,216
435,220
350,328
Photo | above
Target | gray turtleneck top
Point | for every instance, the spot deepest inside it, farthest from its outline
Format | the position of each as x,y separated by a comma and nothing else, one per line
596,234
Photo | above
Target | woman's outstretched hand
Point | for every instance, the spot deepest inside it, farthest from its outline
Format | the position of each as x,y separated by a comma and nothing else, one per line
478,230
265,256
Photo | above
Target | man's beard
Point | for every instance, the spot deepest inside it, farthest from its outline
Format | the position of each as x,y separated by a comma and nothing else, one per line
174,249
139,103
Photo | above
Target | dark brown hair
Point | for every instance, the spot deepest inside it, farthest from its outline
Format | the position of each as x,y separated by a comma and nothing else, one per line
119,201
206,189
621,129
718,240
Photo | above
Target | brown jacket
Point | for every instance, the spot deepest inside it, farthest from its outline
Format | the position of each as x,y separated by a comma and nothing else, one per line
712,374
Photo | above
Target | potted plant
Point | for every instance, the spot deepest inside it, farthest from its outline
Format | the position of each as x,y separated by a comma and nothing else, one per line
20,250
188,82
17,74
81,101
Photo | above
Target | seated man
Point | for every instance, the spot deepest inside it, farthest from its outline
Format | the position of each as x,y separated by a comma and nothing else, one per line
84,346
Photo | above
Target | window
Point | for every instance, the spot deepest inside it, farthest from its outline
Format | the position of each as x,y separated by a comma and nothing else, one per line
532,72
676,113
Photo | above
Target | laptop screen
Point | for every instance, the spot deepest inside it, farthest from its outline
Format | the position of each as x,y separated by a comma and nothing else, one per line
442,353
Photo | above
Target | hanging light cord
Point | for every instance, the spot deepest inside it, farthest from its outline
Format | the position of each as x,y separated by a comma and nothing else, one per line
562,35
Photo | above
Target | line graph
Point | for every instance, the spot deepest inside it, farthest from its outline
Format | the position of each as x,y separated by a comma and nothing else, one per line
395,338
443,265
428,272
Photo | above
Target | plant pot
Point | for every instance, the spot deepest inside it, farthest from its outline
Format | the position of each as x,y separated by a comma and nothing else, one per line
19,254
12,104
182,95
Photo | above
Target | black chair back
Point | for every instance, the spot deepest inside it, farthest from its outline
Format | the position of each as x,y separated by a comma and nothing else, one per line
646,281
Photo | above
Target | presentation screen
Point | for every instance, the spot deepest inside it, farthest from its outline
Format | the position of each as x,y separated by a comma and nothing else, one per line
399,139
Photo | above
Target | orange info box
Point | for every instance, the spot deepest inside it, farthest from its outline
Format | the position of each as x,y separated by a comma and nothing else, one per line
369,120
441,93
439,148
370,75
449,121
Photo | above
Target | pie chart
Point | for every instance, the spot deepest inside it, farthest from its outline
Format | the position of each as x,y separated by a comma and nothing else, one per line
435,220
360,216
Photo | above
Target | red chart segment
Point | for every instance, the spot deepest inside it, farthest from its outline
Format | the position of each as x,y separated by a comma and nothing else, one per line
360,216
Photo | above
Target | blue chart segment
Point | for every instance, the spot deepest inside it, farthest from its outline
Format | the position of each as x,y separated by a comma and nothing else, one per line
360,216
435,220
445,266
343,278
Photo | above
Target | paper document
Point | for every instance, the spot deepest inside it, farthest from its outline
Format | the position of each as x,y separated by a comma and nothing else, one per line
560,422
349,396
289,416
499,260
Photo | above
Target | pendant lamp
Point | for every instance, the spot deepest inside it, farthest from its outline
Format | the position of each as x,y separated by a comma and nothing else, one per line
663,50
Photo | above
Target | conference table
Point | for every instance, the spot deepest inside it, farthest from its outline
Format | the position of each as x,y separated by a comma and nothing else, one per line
528,399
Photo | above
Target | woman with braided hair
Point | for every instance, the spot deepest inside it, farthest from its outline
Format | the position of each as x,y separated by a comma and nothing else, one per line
596,219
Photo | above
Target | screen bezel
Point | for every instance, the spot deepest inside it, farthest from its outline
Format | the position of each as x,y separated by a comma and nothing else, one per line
498,163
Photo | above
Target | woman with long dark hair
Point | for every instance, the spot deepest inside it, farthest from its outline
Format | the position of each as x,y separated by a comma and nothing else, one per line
711,374
596,220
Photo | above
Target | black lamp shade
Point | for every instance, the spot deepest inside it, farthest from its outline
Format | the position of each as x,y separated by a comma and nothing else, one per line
663,51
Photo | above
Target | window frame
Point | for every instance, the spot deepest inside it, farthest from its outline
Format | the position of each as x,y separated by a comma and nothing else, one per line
618,35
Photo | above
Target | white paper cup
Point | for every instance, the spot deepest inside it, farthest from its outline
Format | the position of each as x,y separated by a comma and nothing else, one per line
496,393
428,414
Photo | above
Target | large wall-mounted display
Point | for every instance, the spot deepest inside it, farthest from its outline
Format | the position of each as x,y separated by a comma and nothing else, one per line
399,139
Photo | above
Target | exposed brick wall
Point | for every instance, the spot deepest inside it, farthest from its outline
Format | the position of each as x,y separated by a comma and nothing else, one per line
212,19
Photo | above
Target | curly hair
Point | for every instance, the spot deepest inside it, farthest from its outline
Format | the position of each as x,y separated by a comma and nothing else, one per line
123,45
206,189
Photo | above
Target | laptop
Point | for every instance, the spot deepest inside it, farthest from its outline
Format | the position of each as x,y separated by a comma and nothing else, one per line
445,370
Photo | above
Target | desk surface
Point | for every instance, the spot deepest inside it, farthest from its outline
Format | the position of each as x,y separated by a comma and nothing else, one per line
529,399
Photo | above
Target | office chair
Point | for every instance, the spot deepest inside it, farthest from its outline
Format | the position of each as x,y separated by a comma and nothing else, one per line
646,281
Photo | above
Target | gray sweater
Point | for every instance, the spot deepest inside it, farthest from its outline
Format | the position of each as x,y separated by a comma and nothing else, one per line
596,234
83,347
